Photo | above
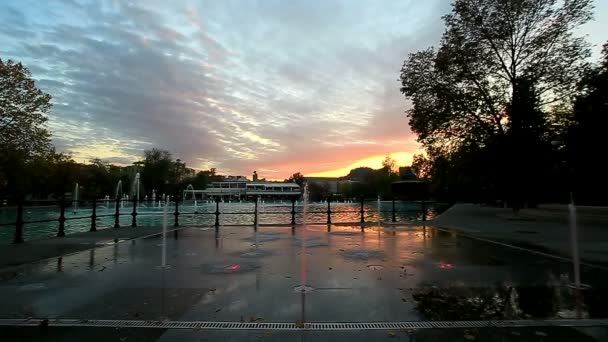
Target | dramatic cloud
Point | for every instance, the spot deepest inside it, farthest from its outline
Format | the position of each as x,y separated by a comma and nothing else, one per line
277,86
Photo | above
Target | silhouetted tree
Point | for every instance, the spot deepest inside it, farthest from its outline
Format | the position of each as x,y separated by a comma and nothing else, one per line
498,65
23,134
585,136
297,178
157,167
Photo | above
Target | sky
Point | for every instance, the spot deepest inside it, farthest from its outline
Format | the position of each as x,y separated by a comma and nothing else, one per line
271,85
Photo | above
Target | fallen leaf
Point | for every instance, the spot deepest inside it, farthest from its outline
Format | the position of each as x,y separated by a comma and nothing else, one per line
469,337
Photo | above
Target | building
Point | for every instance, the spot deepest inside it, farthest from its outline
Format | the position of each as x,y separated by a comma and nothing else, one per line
407,173
241,188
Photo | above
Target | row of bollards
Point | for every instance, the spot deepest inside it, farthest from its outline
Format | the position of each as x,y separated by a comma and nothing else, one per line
19,222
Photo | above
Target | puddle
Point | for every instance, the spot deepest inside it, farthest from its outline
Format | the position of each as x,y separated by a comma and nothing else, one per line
263,238
255,253
303,289
309,242
363,254
231,268
345,233
32,287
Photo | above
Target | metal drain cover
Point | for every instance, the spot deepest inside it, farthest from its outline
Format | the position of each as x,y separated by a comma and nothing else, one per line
327,326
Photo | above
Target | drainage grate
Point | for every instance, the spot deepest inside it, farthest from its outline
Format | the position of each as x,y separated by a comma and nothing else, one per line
325,326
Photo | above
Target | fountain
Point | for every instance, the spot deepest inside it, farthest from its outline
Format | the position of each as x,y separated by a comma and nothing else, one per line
118,190
191,189
75,206
135,189
163,263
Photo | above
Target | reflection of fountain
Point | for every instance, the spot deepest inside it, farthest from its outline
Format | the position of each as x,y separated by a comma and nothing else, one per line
379,213
303,288
75,206
163,263
575,257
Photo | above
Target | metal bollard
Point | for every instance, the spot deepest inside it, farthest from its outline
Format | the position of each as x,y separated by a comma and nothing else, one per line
134,213
255,213
117,214
423,210
19,224
94,216
176,213
293,211
217,212
61,231
362,211
328,211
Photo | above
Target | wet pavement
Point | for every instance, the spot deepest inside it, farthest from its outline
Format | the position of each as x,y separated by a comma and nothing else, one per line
348,274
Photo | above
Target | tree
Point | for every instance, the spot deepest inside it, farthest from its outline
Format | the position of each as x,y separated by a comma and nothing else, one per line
389,164
23,112
498,66
24,138
583,140
297,178
204,178
157,169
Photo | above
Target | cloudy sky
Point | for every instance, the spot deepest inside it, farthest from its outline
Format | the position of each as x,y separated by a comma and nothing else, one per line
274,86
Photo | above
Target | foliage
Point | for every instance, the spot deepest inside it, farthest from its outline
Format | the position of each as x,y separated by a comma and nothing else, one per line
389,164
156,170
484,92
584,140
23,112
204,178
297,178
318,191
24,139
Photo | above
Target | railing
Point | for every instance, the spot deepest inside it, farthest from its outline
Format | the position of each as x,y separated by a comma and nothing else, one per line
131,210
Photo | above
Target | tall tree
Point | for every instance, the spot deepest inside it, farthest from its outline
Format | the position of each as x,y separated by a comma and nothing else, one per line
584,138
389,164
157,169
24,137
23,111
499,63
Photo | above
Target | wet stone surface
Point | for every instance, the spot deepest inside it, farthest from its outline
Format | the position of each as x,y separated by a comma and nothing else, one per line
360,254
372,275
